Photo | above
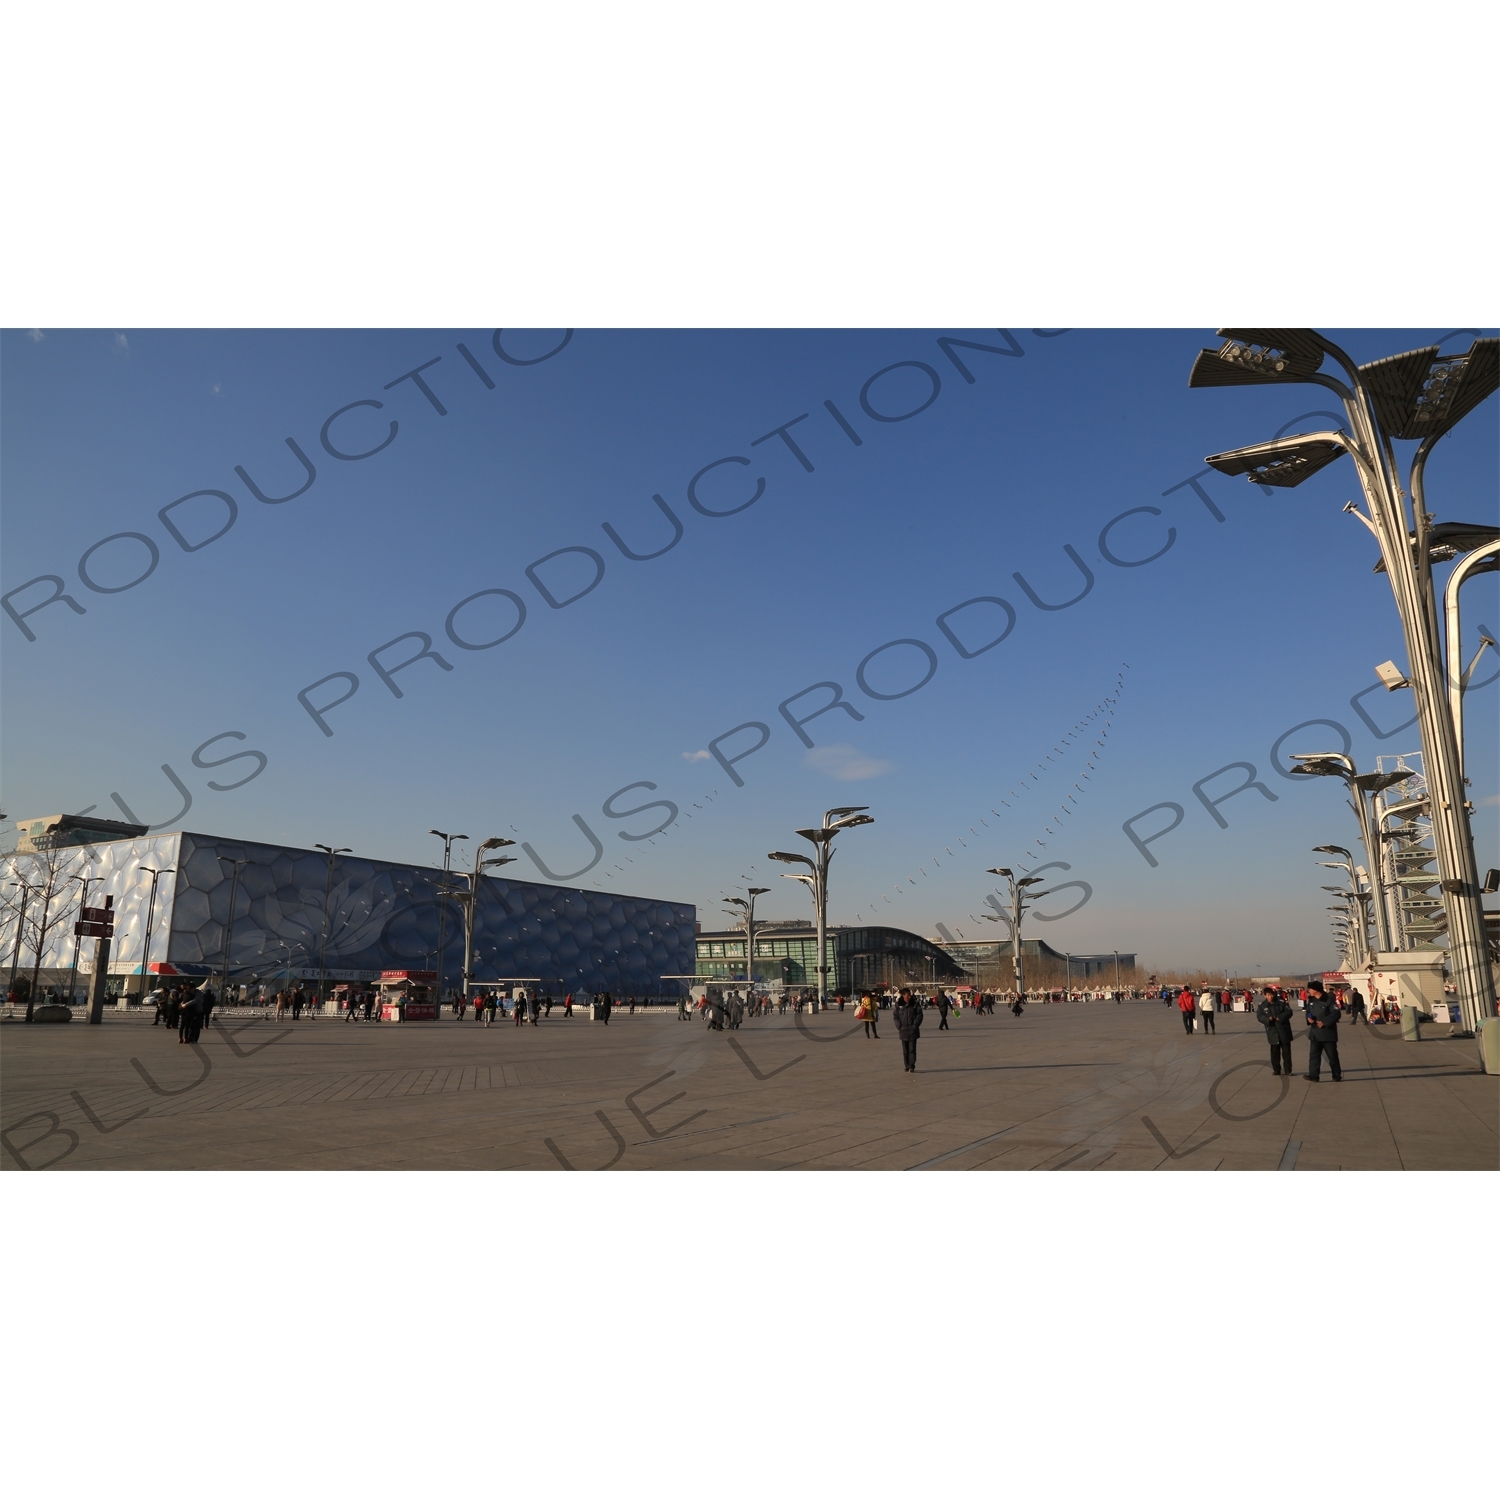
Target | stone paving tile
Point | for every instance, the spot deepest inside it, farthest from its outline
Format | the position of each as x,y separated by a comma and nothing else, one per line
1064,1088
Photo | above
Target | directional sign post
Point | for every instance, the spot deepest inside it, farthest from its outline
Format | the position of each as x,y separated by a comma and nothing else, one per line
99,917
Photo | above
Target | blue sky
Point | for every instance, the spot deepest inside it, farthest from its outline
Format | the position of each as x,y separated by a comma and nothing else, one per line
1242,629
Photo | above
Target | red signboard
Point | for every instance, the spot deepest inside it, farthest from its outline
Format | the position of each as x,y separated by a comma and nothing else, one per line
93,929
414,1011
416,976
95,914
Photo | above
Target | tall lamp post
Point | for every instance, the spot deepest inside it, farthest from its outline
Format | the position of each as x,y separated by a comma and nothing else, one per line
1020,898
323,945
469,900
1361,897
835,821
449,839
1361,788
1353,911
150,913
747,915
85,881
1416,396
234,896
15,953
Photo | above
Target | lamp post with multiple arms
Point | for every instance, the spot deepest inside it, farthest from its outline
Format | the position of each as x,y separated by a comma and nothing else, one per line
746,913
323,945
468,900
1347,865
150,915
1020,899
234,892
1361,788
1419,395
449,839
835,821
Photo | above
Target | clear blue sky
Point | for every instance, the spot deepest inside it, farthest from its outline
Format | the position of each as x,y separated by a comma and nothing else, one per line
1242,629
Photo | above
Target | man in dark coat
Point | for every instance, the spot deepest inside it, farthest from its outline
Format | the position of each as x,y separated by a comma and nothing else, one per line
907,1014
1357,1008
1322,1033
190,1019
944,1005
1276,1016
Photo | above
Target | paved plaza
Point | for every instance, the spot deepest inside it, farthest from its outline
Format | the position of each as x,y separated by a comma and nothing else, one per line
1062,1088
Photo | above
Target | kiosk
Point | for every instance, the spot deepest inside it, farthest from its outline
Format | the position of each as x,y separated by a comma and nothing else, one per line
408,995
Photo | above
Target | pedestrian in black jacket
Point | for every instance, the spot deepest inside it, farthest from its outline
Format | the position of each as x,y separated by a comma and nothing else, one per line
1322,1033
1357,1008
944,1005
908,1017
1276,1016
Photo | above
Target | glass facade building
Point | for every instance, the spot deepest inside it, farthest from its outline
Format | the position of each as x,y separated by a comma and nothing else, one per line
859,958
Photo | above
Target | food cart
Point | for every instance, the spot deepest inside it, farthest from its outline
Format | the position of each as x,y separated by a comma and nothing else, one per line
408,994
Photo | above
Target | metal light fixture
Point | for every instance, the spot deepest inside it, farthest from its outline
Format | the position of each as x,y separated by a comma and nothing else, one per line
747,916
1020,900
835,821
1416,396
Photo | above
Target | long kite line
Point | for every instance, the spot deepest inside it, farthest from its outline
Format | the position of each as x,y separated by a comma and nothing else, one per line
1067,741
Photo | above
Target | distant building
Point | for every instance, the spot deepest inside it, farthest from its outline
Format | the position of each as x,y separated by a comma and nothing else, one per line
63,830
992,963
859,958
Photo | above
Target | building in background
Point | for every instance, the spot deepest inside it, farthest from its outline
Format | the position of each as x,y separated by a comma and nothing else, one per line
859,958
990,965
62,830
379,916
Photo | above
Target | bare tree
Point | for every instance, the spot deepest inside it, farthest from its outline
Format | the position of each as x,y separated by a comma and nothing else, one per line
42,894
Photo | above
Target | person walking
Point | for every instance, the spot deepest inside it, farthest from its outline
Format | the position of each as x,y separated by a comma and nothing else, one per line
1322,1034
867,1013
568,1006
1206,1009
682,1013
1276,1016
1188,1006
534,1007
606,1004
908,1014
1357,1011
944,1005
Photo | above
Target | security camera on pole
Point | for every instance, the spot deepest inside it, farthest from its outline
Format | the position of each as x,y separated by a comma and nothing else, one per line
1416,396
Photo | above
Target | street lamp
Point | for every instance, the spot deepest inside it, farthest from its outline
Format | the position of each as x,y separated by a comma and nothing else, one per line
449,839
234,891
469,900
1020,899
747,915
323,945
1482,559
83,900
835,821
1417,396
15,955
150,913
1331,763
